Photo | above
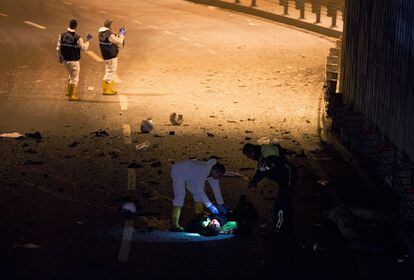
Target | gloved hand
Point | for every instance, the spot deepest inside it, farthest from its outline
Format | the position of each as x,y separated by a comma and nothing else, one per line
89,37
122,31
222,209
213,209
252,185
60,59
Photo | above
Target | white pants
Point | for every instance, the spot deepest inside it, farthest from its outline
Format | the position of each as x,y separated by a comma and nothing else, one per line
111,66
73,68
179,186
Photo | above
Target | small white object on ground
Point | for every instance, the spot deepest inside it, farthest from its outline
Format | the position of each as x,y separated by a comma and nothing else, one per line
142,146
91,88
129,207
11,135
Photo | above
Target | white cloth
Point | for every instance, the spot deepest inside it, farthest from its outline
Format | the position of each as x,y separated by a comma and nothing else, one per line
111,65
73,68
193,174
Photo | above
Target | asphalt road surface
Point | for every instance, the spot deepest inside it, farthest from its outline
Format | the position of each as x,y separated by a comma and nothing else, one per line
234,78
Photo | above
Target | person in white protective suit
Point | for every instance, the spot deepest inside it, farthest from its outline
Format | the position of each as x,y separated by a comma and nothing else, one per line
68,49
192,175
109,44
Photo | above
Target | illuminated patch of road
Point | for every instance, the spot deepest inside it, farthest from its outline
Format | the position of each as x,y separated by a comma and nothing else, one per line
169,33
137,22
102,12
67,3
184,39
123,100
84,7
94,56
120,16
198,45
153,27
3,15
35,25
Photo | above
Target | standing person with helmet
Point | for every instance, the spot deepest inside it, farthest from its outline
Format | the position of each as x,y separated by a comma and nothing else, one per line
273,164
69,48
109,44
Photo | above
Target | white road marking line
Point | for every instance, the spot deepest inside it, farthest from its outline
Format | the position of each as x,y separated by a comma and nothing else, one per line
119,16
169,33
123,100
132,179
126,128
67,3
127,234
198,45
184,39
84,7
3,15
211,7
153,27
35,25
94,56
253,24
137,22
101,12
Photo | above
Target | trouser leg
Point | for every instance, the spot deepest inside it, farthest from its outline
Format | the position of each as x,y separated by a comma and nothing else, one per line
73,67
111,66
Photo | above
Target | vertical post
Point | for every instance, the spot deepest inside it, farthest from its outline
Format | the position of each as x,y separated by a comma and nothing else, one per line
285,4
254,3
237,1
316,9
300,5
332,12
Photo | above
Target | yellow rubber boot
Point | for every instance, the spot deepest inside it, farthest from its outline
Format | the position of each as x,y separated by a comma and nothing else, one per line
67,88
175,217
107,88
111,87
73,93
198,208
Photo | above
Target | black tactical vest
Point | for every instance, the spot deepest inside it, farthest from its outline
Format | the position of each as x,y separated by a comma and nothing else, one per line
108,50
69,48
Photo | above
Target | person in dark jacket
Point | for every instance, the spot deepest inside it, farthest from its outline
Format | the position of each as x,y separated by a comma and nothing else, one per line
273,164
109,44
69,48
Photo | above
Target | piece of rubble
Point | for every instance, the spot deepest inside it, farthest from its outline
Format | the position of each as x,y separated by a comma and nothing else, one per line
135,165
210,134
36,135
142,146
100,133
147,125
156,164
172,133
176,119
74,144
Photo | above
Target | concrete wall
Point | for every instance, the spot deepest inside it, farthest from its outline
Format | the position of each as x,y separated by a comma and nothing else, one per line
378,67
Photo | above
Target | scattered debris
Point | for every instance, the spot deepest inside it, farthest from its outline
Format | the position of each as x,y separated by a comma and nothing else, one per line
12,135
247,138
210,135
36,135
91,88
135,165
158,136
74,144
172,133
323,182
147,125
248,131
142,146
176,119
246,169
156,164
235,174
100,133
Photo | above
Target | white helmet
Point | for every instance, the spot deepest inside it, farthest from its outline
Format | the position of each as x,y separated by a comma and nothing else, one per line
147,126
129,207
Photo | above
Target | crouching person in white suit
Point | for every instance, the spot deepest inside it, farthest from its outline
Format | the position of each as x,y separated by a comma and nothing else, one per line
192,175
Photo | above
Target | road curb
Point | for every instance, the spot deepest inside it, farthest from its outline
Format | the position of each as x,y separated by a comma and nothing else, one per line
271,16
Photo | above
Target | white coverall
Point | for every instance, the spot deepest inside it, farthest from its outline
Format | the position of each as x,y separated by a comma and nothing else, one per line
193,174
111,65
73,67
